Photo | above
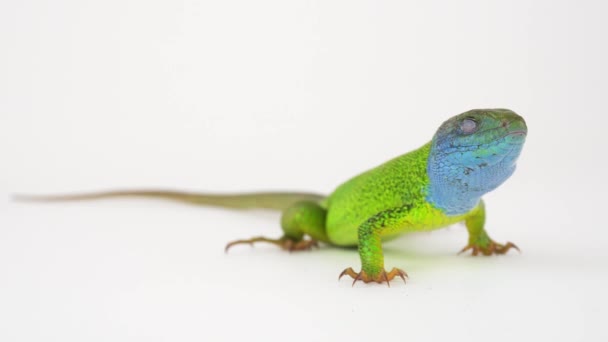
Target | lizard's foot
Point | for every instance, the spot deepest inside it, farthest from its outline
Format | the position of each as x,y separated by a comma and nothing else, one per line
379,278
491,248
285,243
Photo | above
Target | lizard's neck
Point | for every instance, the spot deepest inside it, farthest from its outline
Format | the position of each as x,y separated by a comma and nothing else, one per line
457,181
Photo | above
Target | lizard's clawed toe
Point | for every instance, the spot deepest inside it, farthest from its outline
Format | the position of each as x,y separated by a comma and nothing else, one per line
490,249
378,278
302,245
284,243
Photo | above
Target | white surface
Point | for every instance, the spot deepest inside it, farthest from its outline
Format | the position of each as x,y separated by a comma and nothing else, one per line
248,95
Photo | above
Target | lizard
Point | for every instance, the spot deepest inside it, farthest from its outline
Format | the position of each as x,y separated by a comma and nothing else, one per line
434,186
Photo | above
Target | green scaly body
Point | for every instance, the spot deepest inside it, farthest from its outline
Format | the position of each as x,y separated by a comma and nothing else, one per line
400,182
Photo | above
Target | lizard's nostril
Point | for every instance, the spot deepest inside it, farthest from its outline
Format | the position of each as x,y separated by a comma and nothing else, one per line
505,123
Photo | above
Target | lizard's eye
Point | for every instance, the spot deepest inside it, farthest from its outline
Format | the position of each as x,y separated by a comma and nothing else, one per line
468,126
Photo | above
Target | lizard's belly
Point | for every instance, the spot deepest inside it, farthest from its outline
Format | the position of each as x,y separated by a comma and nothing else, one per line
344,232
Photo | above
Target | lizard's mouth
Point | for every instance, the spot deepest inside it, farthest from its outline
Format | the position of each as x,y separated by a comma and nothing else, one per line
516,137
520,133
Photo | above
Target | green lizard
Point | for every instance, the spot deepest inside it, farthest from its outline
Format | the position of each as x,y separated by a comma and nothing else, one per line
434,186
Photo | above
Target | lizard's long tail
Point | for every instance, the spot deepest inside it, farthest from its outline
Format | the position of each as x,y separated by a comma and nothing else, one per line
262,200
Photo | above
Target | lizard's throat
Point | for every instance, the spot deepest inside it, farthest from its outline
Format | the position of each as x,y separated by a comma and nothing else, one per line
457,182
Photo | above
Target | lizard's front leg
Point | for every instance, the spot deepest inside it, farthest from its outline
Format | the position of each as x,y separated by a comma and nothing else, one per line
479,241
370,246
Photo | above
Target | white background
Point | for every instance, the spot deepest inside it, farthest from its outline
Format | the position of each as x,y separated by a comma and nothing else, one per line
292,95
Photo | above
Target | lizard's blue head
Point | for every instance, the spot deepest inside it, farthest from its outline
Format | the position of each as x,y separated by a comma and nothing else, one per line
472,154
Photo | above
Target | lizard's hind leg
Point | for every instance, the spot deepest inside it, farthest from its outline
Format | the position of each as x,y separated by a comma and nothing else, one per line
302,218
